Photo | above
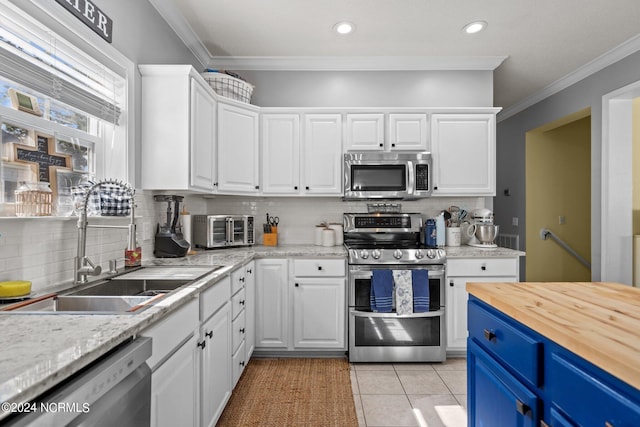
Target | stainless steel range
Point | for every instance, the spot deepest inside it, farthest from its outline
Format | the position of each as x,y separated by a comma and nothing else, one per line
384,247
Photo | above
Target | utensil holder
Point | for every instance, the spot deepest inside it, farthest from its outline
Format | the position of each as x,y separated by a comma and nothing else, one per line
271,239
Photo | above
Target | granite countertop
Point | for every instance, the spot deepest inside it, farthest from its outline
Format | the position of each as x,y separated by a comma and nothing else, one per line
597,321
39,351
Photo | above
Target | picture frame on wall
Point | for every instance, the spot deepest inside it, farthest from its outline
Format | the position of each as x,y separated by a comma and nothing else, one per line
24,102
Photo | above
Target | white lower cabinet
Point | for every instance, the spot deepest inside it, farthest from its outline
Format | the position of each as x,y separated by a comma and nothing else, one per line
272,302
300,304
215,366
319,312
459,272
215,351
174,387
250,307
174,382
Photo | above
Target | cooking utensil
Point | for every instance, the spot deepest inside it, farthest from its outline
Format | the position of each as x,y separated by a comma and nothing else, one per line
274,221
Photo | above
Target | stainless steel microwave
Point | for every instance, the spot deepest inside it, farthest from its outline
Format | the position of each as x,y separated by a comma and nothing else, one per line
218,231
376,175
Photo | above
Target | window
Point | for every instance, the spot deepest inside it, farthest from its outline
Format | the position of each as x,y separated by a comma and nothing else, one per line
76,132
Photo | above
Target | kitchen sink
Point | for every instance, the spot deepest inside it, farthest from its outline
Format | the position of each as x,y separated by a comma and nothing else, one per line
67,304
127,293
130,287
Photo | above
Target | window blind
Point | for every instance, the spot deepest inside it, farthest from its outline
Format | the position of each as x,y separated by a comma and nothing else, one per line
32,57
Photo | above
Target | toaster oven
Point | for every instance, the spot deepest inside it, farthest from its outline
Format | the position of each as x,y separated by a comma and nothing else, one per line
221,231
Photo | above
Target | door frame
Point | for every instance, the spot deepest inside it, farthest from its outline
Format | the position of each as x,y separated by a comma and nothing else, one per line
616,209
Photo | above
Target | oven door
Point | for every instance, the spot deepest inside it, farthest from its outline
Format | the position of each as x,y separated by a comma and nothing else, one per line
387,337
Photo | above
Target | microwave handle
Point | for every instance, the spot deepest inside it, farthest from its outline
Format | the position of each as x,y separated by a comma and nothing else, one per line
411,178
230,229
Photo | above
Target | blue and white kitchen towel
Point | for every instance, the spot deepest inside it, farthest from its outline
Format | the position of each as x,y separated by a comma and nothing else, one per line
404,291
420,284
381,297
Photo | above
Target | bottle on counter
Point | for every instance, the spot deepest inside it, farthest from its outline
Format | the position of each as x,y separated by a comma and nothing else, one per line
440,236
430,233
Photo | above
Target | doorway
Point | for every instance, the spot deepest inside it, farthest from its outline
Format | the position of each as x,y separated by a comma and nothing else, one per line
558,199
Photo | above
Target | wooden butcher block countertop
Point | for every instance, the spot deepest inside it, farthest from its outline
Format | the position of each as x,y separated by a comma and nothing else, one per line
598,321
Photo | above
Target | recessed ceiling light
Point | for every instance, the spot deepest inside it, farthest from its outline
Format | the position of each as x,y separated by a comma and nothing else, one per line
344,27
474,27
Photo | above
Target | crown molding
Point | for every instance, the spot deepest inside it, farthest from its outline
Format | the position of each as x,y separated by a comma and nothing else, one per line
356,63
616,54
176,20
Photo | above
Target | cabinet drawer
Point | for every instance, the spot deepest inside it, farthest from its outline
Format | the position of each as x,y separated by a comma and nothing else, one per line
214,298
238,303
238,331
171,331
519,350
239,362
237,280
574,387
319,267
482,267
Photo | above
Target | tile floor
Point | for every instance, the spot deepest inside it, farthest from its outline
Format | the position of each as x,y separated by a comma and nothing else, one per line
410,394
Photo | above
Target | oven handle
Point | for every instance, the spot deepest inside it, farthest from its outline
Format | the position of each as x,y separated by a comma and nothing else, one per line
358,313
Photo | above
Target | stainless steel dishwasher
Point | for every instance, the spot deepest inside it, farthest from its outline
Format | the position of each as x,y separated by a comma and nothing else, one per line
113,391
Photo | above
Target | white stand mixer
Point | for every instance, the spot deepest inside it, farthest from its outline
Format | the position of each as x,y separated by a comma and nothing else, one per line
480,232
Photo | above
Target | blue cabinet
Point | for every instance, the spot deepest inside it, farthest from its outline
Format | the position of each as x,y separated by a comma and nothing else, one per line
517,377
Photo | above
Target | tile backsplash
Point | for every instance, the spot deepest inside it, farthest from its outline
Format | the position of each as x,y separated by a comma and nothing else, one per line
42,249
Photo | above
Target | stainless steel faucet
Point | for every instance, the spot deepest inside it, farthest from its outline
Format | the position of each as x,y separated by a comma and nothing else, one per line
83,266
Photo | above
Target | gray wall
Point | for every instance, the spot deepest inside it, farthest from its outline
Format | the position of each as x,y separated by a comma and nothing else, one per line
371,88
511,146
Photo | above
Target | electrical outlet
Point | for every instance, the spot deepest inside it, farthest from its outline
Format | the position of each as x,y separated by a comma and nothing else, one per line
561,220
514,221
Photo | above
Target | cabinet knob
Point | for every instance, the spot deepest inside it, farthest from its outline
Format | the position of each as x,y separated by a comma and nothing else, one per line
608,424
393,145
202,344
241,302
215,184
435,187
483,267
522,408
307,187
257,187
489,335
242,330
241,279
297,284
249,271
451,283
319,268
241,363
381,145
209,334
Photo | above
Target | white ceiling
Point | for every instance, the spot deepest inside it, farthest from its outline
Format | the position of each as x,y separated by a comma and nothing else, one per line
543,40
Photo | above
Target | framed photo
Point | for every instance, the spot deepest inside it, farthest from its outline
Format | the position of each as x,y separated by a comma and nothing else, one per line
81,153
24,102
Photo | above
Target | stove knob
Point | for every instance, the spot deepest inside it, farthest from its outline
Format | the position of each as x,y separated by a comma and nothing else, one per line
376,254
442,253
419,254
364,254
397,254
431,254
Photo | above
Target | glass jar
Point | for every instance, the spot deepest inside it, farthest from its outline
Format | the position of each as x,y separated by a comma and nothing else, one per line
34,199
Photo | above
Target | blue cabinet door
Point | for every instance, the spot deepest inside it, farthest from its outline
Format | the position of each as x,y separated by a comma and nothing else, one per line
496,398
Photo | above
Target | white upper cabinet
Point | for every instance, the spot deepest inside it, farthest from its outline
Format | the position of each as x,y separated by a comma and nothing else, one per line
322,154
280,136
408,132
178,129
237,149
203,136
364,132
464,154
